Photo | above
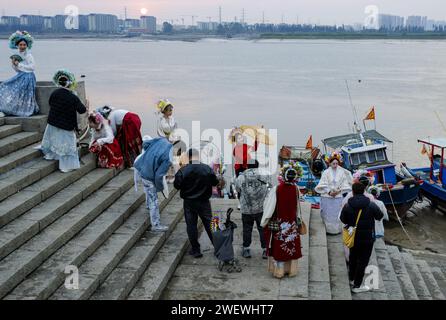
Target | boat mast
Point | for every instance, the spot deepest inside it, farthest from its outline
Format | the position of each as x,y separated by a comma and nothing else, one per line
355,113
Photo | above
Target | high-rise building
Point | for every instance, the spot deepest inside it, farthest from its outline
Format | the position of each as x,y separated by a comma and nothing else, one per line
48,23
390,22
132,23
416,22
148,23
10,21
432,25
33,21
207,26
59,23
102,23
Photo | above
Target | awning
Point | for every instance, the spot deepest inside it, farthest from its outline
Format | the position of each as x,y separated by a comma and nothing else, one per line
436,142
339,141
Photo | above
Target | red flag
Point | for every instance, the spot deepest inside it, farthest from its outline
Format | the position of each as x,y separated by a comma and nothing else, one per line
371,114
310,143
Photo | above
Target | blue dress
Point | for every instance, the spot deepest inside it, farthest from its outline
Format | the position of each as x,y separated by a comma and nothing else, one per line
17,95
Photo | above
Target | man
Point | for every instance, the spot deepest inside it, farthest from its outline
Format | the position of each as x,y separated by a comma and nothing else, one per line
152,165
253,186
195,182
365,233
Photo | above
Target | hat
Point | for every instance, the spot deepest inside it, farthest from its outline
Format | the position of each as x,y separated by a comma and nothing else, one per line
18,36
105,111
163,104
64,73
335,156
293,170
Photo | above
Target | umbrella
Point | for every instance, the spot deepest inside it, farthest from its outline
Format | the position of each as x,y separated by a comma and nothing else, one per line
254,132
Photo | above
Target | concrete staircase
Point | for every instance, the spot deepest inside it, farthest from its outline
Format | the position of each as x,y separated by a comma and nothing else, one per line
94,220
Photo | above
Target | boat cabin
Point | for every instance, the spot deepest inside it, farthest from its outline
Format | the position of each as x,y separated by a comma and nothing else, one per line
368,151
437,155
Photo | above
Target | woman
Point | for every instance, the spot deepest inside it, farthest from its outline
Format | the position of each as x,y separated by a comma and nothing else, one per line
241,152
103,142
284,248
166,125
17,95
59,140
126,128
334,183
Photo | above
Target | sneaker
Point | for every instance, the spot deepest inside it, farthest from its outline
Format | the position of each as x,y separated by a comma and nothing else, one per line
264,256
160,228
195,254
2,115
246,253
361,289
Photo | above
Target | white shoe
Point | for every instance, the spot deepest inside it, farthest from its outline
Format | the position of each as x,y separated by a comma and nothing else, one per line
67,171
160,228
2,115
361,289
352,283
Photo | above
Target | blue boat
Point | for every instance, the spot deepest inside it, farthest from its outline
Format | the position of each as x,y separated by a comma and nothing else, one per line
433,177
368,151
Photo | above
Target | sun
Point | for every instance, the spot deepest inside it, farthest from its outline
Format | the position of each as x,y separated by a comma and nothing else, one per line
144,11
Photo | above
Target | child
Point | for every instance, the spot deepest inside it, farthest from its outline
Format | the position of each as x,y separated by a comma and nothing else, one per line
151,166
379,225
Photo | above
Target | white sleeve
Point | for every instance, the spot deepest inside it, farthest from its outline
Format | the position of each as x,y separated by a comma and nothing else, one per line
109,137
27,65
323,187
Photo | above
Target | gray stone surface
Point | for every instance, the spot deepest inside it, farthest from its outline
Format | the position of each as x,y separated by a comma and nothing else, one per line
403,276
416,277
340,287
19,157
35,123
7,130
17,141
430,280
388,274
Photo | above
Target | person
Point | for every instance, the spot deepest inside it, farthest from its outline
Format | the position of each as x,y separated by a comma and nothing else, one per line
365,234
334,183
152,166
379,224
18,94
241,151
166,124
126,128
59,140
104,143
195,182
285,245
253,188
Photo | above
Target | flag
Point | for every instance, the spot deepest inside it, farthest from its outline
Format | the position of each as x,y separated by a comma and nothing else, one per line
310,143
424,150
371,114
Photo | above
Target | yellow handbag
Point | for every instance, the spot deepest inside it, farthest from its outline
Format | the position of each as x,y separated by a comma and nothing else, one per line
349,239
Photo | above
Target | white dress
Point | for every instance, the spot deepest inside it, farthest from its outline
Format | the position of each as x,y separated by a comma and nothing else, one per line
333,180
166,127
102,136
116,117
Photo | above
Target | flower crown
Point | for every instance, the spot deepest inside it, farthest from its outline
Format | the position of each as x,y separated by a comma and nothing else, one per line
292,165
18,36
333,156
64,73
363,173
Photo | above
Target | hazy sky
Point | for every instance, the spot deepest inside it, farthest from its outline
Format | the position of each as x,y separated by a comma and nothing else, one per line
314,11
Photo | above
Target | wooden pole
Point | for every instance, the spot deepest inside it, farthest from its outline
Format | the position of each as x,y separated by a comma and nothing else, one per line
432,162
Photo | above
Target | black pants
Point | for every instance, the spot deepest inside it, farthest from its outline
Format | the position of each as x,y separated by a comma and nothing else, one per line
248,223
358,261
192,210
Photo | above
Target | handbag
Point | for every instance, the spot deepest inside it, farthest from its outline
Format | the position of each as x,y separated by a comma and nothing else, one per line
301,226
349,238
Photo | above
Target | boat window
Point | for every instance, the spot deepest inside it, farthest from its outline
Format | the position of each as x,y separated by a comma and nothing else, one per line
355,159
362,157
380,155
372,156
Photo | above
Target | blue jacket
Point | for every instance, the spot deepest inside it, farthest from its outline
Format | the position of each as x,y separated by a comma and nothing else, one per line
155,161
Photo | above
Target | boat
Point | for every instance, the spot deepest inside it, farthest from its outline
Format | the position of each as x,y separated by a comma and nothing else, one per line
434,176
311,163
367,150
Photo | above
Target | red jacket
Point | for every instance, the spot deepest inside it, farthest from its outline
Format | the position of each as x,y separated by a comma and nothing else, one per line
242,156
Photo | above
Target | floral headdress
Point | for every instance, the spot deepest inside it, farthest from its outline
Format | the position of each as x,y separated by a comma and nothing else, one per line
64,73
18,36
291,166
335,156
362,174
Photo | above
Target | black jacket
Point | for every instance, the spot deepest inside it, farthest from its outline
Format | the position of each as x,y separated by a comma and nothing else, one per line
195,182
365,232
64,108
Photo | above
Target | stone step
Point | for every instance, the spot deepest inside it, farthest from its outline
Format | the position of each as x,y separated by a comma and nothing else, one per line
162,267
440,278
18,141
46,279
33,195
16,266
127,273
430,280
416,277
2,121
35,123
24,175
9,129
319,271
390,279
17,232
298,287
340,287
18,158
403,276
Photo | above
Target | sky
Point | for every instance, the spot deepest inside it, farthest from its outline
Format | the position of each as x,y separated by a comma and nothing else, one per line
291,11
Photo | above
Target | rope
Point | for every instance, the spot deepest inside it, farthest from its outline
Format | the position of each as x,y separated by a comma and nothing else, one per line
396,211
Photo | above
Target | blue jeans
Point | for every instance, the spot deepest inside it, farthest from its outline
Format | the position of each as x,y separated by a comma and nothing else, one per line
152,202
